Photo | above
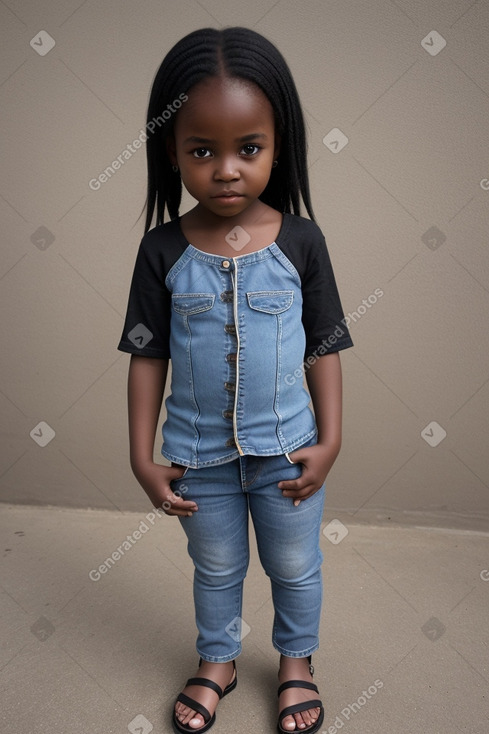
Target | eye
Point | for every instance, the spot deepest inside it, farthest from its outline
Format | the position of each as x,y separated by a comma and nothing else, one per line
250,149
201,153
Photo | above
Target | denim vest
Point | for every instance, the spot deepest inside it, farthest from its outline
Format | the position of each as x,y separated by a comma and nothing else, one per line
236,332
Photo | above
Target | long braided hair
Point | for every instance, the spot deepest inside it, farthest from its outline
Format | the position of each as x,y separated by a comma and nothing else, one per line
233,52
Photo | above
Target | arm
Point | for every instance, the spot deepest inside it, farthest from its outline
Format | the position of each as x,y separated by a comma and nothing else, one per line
325,387
146,384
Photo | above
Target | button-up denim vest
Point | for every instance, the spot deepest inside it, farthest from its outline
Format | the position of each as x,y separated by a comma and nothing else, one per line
236,332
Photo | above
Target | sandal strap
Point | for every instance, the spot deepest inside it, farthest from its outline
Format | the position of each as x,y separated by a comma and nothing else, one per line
205,682
297,708
297,684
195,706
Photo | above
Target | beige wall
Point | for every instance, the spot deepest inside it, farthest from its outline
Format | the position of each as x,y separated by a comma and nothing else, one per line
416,160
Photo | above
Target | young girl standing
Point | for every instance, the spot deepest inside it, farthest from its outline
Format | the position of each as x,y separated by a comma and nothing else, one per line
240,294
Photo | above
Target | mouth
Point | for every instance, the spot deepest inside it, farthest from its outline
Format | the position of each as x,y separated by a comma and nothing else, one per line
228,196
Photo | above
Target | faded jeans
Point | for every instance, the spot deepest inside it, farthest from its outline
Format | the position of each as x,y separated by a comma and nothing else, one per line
288,547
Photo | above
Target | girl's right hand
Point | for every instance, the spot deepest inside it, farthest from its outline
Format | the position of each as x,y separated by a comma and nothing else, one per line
155,480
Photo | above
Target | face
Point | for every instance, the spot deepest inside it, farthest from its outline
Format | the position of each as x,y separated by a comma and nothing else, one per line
224,144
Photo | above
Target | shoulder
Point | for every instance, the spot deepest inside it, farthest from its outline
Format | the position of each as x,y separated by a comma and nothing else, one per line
301,233
301,240
302,225
162,246
162,237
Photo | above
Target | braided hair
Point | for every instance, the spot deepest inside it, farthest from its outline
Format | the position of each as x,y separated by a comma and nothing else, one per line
232,52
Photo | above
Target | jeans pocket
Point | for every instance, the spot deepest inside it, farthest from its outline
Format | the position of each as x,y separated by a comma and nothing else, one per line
312,441
290,469
175,482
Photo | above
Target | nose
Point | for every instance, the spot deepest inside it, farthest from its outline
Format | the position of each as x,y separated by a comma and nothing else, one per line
227,168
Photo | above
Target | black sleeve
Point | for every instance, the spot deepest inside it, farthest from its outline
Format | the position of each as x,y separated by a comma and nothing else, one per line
147,324
322,314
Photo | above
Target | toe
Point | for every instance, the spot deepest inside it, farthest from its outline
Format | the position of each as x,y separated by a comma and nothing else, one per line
180,711
196,722
306,718
188,717
300,720
288,723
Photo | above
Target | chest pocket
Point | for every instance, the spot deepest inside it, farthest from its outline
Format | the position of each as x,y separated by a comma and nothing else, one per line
273,302
188,304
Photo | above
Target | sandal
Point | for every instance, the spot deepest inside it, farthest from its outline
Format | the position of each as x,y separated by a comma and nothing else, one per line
196,706
299,707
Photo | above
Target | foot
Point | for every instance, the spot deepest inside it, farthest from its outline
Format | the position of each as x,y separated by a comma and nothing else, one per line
296,669
221,673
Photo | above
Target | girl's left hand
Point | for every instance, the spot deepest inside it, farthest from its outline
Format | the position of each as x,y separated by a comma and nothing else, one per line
317,460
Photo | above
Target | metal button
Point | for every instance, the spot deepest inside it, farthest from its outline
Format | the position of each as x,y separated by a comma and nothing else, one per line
230,329
230,442
225,263
228,414
231,358
227,296
230,386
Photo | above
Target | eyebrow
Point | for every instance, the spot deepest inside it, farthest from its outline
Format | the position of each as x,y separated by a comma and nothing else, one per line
243,139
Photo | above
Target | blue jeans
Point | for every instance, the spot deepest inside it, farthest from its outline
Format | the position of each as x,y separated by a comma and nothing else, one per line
288,546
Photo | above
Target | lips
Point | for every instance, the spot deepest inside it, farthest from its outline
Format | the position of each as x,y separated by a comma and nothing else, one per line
226,195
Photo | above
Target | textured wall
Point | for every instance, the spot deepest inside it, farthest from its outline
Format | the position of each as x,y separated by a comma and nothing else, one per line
404,87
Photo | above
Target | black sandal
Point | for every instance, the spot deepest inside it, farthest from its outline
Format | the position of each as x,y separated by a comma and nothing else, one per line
196,706
299,707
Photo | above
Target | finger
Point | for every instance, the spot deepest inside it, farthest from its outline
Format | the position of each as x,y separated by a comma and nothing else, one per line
182,504
296,456
302,456
175,505
303,493
178,513
297,500
293,484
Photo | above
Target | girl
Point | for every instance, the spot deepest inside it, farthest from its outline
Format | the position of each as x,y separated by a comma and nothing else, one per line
240,294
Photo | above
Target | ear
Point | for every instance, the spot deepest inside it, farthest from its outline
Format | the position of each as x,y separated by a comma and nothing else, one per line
171,149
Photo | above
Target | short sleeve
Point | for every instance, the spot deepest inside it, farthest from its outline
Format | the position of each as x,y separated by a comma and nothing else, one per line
322,316
147,324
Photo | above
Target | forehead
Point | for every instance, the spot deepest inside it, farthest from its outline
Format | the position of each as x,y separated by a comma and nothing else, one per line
224,103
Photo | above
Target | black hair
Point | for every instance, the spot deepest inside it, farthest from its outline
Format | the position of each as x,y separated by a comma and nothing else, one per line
233,52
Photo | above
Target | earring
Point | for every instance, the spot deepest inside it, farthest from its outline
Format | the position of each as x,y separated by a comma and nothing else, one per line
174,169
274,164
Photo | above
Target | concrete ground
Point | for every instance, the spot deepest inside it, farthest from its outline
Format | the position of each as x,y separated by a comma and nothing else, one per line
404,639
